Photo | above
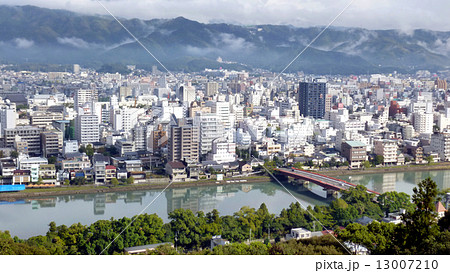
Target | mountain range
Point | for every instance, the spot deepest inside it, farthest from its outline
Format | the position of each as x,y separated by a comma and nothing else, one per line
30,34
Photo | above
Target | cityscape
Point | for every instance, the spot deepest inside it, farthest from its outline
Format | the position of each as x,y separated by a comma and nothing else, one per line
366,148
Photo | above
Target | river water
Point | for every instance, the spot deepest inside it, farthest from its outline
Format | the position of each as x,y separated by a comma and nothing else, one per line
30,217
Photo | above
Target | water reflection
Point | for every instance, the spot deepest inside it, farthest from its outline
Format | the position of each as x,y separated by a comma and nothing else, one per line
401,182
31,216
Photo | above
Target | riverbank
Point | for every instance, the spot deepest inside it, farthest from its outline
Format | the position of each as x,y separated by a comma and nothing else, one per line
394,169
86,189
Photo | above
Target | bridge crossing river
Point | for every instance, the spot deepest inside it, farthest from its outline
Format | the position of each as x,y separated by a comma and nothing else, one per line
326,182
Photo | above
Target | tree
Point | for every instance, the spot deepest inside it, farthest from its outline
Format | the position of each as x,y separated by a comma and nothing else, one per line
429,159
114,181
52,160
394,201
366,164
421,225
89,151
130,180
298,165
379,160
82,149
14,154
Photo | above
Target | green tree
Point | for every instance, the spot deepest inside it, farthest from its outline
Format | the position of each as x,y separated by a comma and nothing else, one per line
52,160
298,165
89,150
421,224
366,164
394,201
114,181
130,180
14,154
379,160
429,159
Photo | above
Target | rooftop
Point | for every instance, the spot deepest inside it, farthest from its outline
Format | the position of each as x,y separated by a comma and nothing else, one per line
355,143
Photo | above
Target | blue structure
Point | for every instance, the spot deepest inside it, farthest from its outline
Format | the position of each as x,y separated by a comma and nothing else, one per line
8,188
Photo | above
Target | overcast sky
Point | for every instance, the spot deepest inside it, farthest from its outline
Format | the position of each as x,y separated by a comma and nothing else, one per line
372,14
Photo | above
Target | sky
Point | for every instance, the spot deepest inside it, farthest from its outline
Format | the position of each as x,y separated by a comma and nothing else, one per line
404,15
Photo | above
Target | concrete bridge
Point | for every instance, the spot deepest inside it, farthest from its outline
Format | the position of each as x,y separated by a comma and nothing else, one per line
330,184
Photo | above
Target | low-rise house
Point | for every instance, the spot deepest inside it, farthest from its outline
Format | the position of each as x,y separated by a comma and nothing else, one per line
48,173
122,174
176,171
133,165
244,167
110,172
7,167
21,177
298,233
138,176
218,241
440,209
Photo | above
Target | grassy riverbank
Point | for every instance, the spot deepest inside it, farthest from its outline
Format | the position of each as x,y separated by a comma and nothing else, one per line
85,189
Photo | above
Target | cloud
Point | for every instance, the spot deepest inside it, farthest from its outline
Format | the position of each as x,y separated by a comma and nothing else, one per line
382,14
23,43
82,44
228,41
74,42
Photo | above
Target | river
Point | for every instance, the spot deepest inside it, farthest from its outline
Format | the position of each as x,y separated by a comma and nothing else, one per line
30,217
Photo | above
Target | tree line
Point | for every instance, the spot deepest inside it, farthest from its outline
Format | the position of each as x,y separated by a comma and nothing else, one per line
192,232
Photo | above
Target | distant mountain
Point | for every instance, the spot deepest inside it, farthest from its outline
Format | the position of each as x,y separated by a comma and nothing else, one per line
37,35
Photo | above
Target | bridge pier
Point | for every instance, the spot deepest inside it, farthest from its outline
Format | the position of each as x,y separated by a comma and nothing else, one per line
332,193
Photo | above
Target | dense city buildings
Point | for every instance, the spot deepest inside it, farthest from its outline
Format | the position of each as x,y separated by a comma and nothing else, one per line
216,120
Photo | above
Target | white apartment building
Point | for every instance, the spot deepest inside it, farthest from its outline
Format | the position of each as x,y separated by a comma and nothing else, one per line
87,128
440,143
223,152
386,148
211,128
8,117
423,123
84,95
222,110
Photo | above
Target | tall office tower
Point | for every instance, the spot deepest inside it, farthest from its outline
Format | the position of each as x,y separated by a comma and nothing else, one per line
84,95
184,141
212,88
87,126
311,98
210,128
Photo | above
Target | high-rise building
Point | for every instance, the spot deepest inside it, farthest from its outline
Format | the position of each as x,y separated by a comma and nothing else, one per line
8,117
222,110
212,88
311,98
87,126
211,128
184,141
423,123
84,95
140,137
